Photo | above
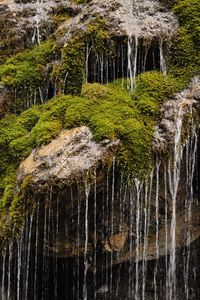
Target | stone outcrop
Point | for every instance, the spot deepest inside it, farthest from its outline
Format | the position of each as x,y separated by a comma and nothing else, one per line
24,23
125,18
68,157
74,154
185,103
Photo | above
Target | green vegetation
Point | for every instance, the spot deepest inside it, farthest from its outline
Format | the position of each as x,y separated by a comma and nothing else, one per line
114,114
69,75
70,72
186,47
26,71
26,68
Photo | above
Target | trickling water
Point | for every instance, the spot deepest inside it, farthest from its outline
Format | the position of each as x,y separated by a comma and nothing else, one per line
157,227
87,188
138,186
174,178
95,233
130,57
162,59
113,236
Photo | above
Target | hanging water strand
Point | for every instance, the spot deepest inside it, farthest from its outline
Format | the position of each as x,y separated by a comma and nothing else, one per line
157,226
112,221
191,150
131,223
95,233
174,178
87,190
138,187
162,59
28,254
166,230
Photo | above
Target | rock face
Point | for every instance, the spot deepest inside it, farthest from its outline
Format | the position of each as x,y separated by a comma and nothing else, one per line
185,104
126,18
29,22
68,157
183,225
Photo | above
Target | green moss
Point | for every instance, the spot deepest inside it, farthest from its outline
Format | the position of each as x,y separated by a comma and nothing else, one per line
30,117
153,84
44,132
115,114
98,35
70,73
25,67
186,46
25,72
8,186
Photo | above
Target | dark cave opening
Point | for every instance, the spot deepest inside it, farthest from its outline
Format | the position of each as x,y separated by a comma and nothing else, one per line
107,68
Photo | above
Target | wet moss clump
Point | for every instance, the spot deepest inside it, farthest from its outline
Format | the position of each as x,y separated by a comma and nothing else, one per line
186,45
115,114
24,75
69,75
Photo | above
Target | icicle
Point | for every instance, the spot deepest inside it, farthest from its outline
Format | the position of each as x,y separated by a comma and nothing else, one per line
88,51
3,274
132,61
107,221
34,36
112,222
107,71
174,178
101,68
87,190
130,275
44,252
145,240
86,62
56,257
157,227
38,31
135,60
138,186
10,251
78,243
166,229
162,59
36,251
41,95
191,149
28,256
95,233
121,210
114,70
145,60
130,70
122,64
19,264
65,79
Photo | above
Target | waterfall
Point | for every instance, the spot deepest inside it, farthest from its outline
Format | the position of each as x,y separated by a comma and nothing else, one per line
111,235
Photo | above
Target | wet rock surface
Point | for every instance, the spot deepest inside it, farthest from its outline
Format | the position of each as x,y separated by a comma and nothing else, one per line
68,157
186,103
24,23
126,18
